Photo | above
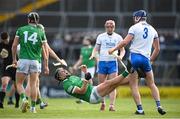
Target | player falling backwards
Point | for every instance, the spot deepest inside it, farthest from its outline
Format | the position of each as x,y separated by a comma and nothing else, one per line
142,37
83,90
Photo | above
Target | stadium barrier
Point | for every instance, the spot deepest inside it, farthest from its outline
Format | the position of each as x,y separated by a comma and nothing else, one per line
165,92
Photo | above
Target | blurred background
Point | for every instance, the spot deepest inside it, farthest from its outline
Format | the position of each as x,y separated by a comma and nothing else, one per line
67,22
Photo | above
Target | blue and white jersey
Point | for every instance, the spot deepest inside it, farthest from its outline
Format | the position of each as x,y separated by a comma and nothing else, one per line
144,35
106,42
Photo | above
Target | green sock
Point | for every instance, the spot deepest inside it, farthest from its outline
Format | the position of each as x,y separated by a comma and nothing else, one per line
124,74
23,96
33,103
38,101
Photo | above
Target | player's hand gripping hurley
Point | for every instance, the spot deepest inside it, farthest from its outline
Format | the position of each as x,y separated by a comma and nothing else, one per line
61,62
10,66
116,56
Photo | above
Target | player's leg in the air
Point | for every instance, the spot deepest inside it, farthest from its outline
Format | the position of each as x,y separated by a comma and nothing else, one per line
108,86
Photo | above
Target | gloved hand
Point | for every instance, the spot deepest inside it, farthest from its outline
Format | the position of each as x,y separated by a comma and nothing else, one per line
88,76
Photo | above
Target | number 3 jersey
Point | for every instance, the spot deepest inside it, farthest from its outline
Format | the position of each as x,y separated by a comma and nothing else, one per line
144,35
31,38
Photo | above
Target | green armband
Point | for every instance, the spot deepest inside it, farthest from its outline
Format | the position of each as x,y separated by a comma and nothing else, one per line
124,74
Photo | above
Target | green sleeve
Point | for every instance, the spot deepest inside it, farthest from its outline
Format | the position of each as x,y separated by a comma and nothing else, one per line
71,89
68,87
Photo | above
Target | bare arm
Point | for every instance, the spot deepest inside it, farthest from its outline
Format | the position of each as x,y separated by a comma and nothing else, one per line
78,63
83,89
52,53
45,57
122,52
122,44
14,49
156,50
95,51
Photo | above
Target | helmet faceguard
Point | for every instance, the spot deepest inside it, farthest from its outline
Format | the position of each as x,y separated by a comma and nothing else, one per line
33,17
139,15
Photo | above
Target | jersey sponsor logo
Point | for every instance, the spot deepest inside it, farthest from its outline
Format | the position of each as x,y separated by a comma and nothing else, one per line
110,44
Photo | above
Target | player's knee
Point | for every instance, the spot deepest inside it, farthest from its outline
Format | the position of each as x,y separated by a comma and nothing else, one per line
133,82
134,87
151,85
18,84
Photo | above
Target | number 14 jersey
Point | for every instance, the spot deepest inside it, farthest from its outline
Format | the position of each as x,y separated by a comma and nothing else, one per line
30,39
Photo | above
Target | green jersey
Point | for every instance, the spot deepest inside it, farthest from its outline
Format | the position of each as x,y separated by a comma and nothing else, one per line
30,38
71,82
86,53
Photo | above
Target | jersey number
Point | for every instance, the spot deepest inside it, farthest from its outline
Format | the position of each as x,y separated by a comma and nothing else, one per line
32,37
145,35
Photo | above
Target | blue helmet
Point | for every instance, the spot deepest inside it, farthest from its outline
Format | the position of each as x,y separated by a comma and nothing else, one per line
140,13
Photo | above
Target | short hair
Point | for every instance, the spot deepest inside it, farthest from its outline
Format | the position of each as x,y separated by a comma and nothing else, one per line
4,35
110,21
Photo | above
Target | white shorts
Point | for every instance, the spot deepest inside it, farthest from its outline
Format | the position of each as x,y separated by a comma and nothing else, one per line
95,98
90,70
28,66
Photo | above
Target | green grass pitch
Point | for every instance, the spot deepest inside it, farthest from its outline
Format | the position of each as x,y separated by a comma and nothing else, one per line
67,108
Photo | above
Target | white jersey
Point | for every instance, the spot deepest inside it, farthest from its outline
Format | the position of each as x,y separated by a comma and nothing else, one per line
106,42
144,35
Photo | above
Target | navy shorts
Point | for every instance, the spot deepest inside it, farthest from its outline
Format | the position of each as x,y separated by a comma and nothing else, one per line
140,61
107,67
